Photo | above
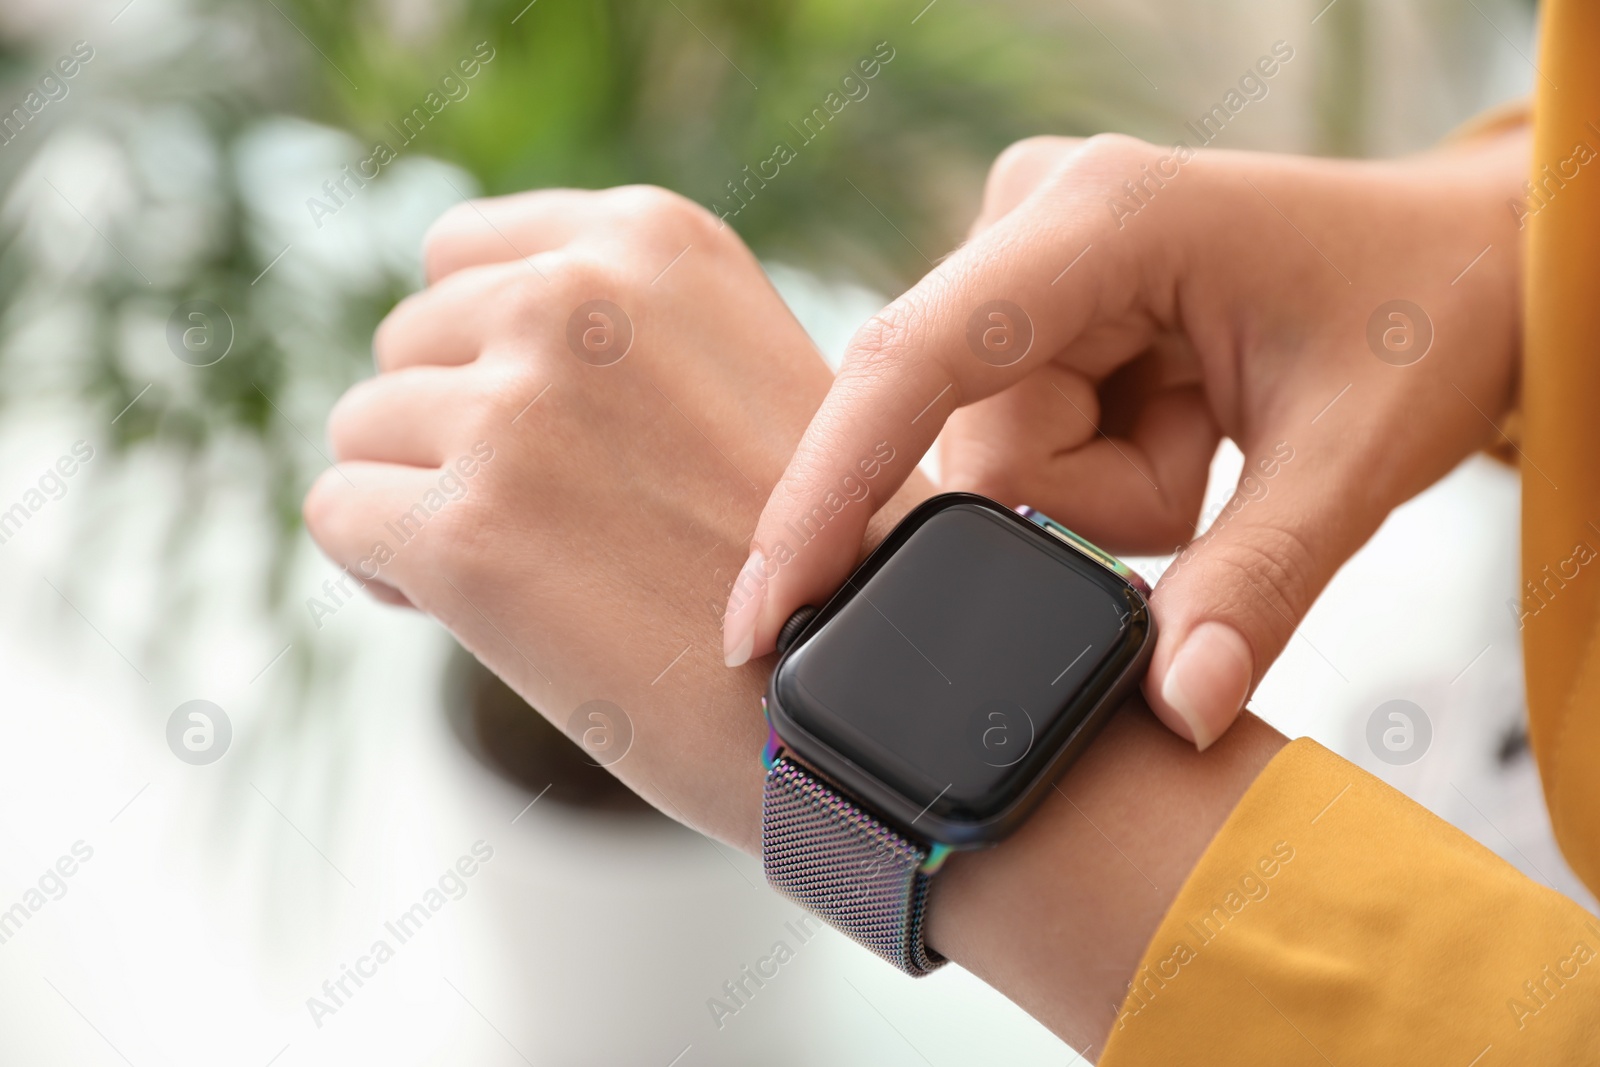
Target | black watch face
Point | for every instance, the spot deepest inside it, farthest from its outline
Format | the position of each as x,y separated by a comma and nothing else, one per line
958,661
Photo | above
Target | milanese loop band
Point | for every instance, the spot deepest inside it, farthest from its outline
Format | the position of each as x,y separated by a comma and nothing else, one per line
834,859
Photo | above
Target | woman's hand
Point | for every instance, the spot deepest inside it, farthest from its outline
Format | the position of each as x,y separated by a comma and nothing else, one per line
1119,308
563,458
573,505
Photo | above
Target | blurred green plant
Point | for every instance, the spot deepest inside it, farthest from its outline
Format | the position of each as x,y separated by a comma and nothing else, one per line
686,94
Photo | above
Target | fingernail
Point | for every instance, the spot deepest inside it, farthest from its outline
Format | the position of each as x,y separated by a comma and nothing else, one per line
1208,680
744,610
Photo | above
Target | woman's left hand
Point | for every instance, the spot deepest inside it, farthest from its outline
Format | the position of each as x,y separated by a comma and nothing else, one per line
563,458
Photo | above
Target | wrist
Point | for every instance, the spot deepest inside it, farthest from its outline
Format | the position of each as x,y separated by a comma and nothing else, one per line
716,789
1057,916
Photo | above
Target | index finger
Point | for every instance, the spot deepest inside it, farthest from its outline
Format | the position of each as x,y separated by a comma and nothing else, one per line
986,317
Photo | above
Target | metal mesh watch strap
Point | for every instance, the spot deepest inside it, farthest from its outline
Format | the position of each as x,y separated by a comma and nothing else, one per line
833,858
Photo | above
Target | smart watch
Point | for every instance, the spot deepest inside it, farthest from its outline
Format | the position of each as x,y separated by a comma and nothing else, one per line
932,702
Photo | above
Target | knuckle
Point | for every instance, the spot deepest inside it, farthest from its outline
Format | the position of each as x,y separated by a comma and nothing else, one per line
643,201
655,211
574,278
1109,157
519,295
1020,166
881,341
442,242
1029,153
402,320
1274,564
346,415
1113,149
320,508
388,332
892,348
506,300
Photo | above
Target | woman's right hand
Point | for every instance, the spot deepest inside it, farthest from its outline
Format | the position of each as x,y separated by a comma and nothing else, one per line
1354,327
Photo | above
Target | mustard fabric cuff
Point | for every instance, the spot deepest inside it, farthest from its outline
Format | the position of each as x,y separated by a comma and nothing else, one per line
1334,921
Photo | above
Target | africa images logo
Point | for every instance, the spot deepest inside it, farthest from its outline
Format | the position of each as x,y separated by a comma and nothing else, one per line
452,885
199,732
853,88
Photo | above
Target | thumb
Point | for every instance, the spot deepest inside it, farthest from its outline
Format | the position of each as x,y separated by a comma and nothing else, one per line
1232,599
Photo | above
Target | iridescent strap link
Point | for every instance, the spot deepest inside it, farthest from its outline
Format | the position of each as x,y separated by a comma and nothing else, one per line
1087,547
834,859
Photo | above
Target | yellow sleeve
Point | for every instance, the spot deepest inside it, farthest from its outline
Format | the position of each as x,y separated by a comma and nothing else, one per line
1560,601
1334,921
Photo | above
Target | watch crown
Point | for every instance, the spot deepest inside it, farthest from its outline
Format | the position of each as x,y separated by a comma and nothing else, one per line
792,628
